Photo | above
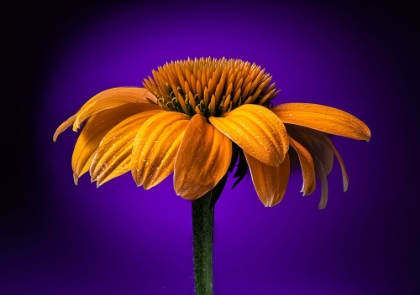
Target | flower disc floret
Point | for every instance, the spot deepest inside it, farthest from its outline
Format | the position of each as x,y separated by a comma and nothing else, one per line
210,86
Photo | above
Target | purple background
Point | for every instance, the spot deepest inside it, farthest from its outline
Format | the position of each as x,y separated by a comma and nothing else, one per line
58,238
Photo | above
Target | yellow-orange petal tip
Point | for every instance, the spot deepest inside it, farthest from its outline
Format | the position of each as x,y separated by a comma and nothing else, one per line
75,178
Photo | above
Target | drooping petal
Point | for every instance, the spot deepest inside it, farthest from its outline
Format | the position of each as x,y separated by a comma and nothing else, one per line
307,167
257,130
340,160
314,141
63,126
122,166
319,169
320,145
83,170
323,118
270,182
108,99
322,150
95,129
203,159
113,156
112,98
155,147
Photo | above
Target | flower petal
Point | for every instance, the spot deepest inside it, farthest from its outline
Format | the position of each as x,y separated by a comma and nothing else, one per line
270,182
257,130
323,118
108,99
203,159
320,172
116,147
121,166
155,147
95,129
83,170
340,160
63,126
320,144
314,141
307,167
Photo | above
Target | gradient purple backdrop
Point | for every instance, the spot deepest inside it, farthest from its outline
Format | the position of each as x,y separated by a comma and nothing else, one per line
120,239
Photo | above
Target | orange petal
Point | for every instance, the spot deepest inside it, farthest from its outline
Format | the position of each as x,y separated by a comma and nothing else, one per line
108,99
120,167
257,130
342,166
314,141
270,182
155,147
203,159
77,174
95,129
63,126
307,167
113,156
319,169
323,118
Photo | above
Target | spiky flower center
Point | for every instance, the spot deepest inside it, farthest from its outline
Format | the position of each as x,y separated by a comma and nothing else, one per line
210,86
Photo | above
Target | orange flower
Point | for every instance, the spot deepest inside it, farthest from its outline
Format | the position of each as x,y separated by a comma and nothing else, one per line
196,118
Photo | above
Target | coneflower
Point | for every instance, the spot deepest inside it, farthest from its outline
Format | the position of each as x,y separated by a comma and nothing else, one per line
199,119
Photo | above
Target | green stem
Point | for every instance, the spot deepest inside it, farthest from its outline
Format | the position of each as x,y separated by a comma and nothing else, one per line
203,221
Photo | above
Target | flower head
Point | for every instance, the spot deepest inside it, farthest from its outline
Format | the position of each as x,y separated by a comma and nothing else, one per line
198,119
